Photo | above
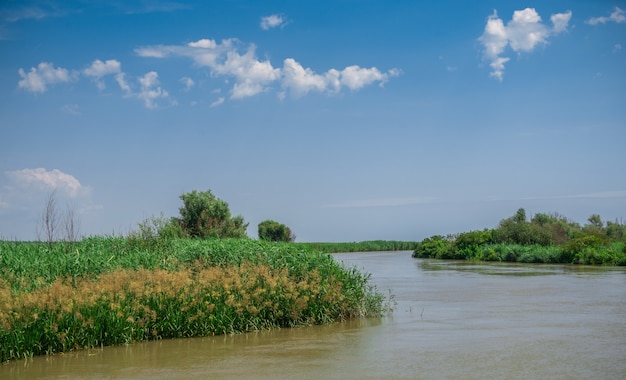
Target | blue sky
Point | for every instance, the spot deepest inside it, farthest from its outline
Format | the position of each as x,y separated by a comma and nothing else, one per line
345,120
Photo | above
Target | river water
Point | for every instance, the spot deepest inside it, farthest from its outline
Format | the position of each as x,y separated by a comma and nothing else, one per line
453,320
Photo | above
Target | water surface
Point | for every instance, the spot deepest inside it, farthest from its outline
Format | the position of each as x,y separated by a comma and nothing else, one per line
453,320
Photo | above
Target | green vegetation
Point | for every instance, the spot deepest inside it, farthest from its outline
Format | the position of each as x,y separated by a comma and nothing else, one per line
203,215
364,246
544,239
113,290
270,230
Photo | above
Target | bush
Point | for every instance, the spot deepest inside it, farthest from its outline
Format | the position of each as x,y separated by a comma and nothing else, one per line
270,230
435,247
205,216
467,243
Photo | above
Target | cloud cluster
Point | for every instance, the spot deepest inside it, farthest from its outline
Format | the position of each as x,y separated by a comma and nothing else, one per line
147,87
617,17
98,69
38,78
253,76
229,59
49,180
523,33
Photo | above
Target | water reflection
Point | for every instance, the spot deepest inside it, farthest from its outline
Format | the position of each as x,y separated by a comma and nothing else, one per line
453,320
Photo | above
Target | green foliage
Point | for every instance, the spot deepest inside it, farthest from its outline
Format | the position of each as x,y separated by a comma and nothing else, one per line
516,230
111,290
436,247
270,230
467,243
545,239
363,246
205,216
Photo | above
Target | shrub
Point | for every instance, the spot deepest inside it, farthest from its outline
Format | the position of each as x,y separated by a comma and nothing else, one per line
270,230
205,216
435,247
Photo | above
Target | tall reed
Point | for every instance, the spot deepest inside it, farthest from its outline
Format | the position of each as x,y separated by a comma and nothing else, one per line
105,291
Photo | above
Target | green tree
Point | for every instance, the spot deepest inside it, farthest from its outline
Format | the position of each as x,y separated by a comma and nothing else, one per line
203,215
270,230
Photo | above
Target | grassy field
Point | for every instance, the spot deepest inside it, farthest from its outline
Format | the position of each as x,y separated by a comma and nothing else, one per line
113,290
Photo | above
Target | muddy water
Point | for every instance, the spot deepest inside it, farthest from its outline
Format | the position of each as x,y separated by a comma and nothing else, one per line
453,320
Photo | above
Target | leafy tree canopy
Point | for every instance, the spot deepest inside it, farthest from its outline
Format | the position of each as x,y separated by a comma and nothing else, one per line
270,230
203,215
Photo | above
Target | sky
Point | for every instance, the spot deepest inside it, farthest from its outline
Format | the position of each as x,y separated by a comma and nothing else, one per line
346,120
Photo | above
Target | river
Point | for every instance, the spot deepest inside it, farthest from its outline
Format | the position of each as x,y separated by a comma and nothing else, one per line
453,320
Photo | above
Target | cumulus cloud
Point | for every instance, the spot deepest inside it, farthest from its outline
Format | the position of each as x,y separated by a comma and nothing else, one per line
121,81
523,33
49,180
252,75
299,81
272,21
150,90
38,78
561,21
98,69
617,17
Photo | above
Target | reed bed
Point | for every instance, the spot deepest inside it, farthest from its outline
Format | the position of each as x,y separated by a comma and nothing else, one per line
108,291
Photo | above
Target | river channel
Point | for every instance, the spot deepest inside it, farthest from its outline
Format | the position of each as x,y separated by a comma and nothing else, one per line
453,320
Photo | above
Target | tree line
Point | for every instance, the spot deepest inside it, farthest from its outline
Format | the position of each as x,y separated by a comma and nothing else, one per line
548,238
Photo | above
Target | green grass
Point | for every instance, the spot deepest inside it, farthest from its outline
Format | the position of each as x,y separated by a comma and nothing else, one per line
363,246
113,290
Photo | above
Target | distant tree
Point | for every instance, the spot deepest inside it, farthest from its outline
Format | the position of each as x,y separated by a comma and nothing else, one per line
270,230
49,222
205,216
54,226
595,221
517,230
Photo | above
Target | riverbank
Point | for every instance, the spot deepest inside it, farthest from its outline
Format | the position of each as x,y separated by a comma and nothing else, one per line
109,290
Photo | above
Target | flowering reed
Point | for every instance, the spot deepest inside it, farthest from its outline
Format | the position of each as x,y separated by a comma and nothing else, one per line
205,288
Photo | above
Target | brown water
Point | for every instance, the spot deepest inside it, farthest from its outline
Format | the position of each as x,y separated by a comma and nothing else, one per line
454,320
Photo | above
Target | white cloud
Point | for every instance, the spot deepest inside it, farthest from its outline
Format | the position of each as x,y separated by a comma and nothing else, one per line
203,43
150,89
522,34
121,81
272,21
252,75
561,21
98,69
218,102
187,82
37,79
617,47
355,77
299,81
617,16
50,180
